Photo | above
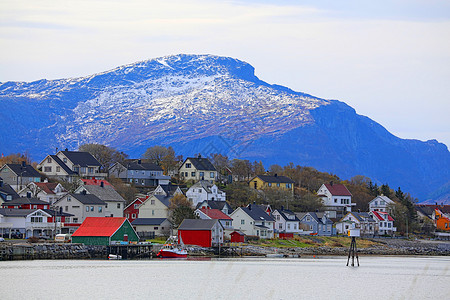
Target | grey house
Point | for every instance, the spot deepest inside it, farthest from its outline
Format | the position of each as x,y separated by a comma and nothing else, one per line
19,175
316,223
7,193
139,173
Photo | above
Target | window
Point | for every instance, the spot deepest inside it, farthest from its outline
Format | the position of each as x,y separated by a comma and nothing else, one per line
47,169
69,199
133,216
58,169
155,228
65,160
118,205
289,226
242,222
278,185
188,166
66,208
288,185
152,202
193,174
308,219
34,206
90,170
49,160
211,175
75,206
75,220
87,208
269,184
100,209
37,219
186,174
295,226
136,206
202,174
106,205
153,212
280,226
92,208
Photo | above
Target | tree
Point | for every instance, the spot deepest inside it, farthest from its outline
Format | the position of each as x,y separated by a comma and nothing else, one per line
220,162
258,168
156,154
105,155
16,158
127,191
306,201
179,209
386,190
169,162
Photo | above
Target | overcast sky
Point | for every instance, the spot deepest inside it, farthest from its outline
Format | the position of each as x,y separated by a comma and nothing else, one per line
390,60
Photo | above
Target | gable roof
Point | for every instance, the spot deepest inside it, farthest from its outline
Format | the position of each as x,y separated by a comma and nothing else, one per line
138,165
256,213
47,187
382,197
141,200
215,214
23,170
284,214
62,165
99,226
105,193
25,200
318,217
197,224
6,189
17,212
378,216
95,181
201,163
361,216
214,204
337,189
164,199
88,199
206,185
148,221
83,159
274,179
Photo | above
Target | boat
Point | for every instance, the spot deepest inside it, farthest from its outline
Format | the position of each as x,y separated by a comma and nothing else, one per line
114,256
171,249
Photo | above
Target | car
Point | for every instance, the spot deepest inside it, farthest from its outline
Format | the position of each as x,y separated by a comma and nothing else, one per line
2,239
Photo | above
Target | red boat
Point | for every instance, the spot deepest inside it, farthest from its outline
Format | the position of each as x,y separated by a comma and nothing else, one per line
172,250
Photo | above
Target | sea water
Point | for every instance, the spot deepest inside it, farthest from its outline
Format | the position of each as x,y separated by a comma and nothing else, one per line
385,277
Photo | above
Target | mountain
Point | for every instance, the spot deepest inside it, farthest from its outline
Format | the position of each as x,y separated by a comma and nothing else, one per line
209,104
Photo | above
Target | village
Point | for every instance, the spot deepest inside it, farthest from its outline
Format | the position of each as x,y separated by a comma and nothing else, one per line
37,204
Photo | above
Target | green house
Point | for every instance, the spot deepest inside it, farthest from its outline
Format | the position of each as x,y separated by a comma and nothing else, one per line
103,231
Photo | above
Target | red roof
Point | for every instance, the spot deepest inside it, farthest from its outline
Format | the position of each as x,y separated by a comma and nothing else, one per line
95,181
47,187
379,213
215,214
99,226
338,189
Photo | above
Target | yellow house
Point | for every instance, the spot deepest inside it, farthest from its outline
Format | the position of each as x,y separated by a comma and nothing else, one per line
266,181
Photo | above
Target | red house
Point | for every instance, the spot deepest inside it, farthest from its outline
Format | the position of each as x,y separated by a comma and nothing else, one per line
131,212
237,237
204,233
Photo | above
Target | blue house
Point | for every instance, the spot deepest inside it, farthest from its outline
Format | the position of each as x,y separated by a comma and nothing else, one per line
317,223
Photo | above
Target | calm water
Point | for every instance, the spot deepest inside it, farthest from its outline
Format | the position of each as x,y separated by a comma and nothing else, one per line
248,278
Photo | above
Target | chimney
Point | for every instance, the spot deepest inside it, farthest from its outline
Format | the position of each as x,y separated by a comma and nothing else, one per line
331,183
359,210
83,192
23,164
66,149
282,207
199,156
276,175
102,184
249,207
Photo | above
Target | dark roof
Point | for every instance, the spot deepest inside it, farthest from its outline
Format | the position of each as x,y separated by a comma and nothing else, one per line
105,193
16,212
25,200
214,204
318,217
337,189
88,199
428,209
197,224
148,221
24,170
164,199
284,213
362,216
6,189
170,189
201,163
83,159
256,213
275,179
57,213
133,164
62,164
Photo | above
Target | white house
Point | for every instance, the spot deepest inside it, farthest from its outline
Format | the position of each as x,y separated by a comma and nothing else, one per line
155,206
252,220
203,191
361,220
81,206
381,203
115,204
336,199
29,222
45,191
286,221
385,222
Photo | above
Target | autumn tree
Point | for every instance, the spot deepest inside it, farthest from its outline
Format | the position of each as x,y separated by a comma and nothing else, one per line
127,191
179,209
105,155
16,158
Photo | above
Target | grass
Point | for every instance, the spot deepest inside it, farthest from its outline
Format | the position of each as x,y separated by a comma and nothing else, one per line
313,241
157,240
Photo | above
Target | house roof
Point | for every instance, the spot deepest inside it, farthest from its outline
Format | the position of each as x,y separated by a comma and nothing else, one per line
25,200
318,217
105,193
47,187
16,212
206,185
88,199
361,216
337,189
95,181
215,214
256,213
6,189
62,165
83,159
169,189
148,221
23,170
197,224
378,215
201,163
274,179
99,226
285,213
136,201
214,204
57,213
138,165
382,197
428,209
164,199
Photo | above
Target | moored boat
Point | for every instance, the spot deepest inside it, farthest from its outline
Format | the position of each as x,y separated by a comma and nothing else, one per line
114,256
172,250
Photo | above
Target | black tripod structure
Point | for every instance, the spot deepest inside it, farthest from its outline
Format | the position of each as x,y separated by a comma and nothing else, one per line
353,251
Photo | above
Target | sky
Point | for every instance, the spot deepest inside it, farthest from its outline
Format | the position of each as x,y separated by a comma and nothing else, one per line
389,60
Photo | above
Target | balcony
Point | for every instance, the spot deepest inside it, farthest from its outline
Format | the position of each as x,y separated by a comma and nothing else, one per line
42,225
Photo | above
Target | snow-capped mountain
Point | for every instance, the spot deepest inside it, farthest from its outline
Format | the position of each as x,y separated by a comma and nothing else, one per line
209,104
